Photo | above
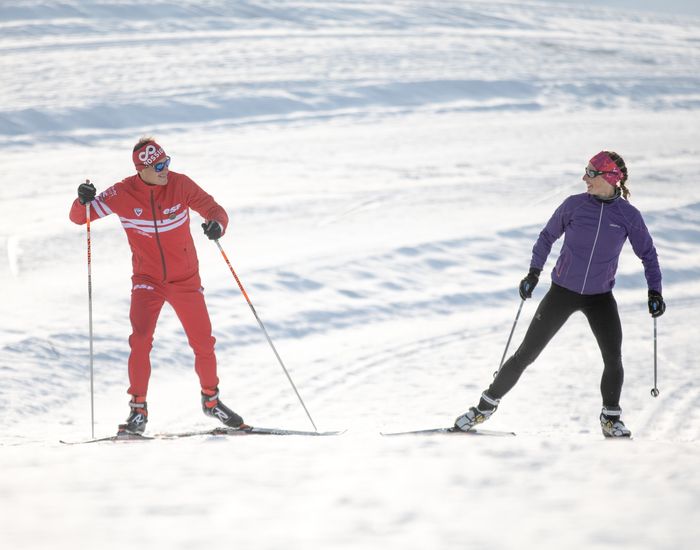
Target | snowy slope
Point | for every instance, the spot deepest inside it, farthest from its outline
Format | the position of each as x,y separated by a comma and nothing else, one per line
387,167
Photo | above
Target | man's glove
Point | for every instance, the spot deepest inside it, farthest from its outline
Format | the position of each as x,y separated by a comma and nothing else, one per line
212,229
657,306
86,192
528,284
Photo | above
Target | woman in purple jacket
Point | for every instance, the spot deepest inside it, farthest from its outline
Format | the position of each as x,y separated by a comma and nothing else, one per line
595,225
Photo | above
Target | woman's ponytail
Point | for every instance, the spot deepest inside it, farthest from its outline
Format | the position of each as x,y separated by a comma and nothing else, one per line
617,159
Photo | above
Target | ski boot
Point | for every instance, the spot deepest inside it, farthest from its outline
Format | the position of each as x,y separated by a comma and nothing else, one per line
611,424
476,415
212,406
136,423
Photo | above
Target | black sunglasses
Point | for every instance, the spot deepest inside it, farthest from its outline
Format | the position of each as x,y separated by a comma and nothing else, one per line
594,173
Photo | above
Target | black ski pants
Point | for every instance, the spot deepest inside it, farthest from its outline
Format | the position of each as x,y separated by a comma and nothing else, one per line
554,309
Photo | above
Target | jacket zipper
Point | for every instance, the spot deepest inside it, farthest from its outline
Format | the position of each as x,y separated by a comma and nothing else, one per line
600,219
155,226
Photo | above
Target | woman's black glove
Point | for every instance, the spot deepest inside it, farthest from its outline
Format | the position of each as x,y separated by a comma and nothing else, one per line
657,306
528,284
212,229
86,192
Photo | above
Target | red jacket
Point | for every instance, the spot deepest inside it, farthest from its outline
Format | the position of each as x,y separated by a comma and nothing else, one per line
157,223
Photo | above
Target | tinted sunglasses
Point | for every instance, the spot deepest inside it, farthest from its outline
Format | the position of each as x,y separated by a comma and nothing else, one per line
594,173
162,165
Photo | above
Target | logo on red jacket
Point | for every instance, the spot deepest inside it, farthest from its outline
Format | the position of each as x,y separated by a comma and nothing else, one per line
138,211
170,212
108,193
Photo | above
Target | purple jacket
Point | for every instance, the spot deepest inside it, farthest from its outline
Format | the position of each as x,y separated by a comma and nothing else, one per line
594,233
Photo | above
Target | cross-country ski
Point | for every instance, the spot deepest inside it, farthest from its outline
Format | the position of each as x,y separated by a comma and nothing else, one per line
451,431
249,431
221,431
123,437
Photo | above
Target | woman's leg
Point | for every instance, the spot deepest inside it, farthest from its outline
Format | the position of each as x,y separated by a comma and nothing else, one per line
604,320
554,309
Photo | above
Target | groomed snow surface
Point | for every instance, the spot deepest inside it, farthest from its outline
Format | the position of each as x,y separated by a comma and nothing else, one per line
387,167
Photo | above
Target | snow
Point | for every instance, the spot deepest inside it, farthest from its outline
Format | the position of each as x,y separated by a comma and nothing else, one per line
387,167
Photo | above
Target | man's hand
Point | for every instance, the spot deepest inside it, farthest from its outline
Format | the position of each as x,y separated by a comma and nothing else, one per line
212,229
86,192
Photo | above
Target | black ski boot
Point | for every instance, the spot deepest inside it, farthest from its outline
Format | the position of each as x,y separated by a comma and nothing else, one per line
136,423
212,406
611,424
476,415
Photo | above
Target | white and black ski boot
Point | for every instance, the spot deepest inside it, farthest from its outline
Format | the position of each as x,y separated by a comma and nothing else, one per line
136,423
611,424
212,406
476,415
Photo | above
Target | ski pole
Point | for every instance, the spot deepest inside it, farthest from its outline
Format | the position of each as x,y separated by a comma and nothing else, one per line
512,330
245,295
655,390
89,266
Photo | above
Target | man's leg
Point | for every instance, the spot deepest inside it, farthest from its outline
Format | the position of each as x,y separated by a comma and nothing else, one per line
146,302
189,305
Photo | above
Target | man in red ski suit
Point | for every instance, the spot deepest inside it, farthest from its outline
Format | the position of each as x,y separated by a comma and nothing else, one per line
153,208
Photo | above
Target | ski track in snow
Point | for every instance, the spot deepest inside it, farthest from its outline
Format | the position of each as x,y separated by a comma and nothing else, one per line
387,168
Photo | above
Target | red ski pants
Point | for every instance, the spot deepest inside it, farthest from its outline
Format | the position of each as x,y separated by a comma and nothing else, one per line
187,299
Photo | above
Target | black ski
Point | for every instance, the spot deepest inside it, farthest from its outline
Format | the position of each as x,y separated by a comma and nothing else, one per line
452,431
249,430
